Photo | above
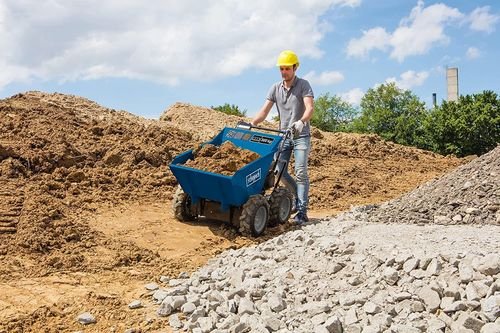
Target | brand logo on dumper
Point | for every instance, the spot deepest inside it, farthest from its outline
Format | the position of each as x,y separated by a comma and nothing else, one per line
262,139
253,177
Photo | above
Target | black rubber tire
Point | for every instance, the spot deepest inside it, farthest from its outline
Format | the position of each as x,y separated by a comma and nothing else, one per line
280,205
181,205
254,216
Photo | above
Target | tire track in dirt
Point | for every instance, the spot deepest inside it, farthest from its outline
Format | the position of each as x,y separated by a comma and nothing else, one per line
11,207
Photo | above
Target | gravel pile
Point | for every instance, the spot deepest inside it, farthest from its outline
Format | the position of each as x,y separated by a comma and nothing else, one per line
468,195
348,275
325,278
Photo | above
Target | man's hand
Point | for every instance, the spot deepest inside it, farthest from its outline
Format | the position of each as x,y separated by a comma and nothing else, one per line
245,125
298,126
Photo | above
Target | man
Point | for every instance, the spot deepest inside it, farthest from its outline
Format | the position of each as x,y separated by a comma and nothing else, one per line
294,101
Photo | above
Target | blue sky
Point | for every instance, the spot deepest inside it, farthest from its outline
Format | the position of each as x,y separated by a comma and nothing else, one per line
144,56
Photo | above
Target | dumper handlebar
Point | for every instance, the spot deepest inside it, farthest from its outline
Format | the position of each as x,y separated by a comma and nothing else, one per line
248,126
287,135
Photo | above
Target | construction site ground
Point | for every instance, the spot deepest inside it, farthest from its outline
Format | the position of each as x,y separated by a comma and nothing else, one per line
85,197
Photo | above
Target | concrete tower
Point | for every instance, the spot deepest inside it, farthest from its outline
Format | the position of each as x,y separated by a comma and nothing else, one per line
452,83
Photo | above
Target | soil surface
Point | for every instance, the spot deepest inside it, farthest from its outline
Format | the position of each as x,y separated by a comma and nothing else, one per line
225,159
85,211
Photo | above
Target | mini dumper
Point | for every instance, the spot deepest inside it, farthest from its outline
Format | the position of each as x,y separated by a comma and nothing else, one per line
239,199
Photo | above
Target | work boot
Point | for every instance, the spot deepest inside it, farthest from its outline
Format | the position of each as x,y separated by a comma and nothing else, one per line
300,218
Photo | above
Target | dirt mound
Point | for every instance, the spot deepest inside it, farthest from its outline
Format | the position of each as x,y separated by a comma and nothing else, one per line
203,123
62,155
352,169
468,195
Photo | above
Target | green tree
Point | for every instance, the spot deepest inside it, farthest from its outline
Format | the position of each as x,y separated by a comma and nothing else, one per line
230,109
395,114
332,114
469,126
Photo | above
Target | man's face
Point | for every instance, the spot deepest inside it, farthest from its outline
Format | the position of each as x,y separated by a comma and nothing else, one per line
287,72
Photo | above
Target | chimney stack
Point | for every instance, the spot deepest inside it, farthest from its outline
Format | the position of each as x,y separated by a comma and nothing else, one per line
452,83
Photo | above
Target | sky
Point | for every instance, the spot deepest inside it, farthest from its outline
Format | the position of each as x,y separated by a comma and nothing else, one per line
144,56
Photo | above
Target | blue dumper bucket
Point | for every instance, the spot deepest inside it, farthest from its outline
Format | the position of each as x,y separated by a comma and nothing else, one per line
229,190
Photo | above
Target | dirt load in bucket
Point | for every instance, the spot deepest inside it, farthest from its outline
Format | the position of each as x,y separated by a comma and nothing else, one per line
225,159
85,204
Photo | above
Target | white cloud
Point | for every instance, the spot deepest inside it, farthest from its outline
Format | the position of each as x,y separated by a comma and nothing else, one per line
416,34
376,38
347,3
353,96
325,78
163,41
472,53
481,19
410,79
12,73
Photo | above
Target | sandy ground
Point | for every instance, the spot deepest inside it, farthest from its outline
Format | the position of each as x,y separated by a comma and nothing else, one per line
59,297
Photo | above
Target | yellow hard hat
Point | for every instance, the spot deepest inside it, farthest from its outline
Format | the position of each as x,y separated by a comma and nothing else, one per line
287,58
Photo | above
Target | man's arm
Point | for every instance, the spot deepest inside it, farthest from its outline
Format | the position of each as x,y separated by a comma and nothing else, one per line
298,126
308,113
262,114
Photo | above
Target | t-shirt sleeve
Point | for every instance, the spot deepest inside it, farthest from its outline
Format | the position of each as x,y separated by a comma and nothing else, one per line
307,90
271,94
